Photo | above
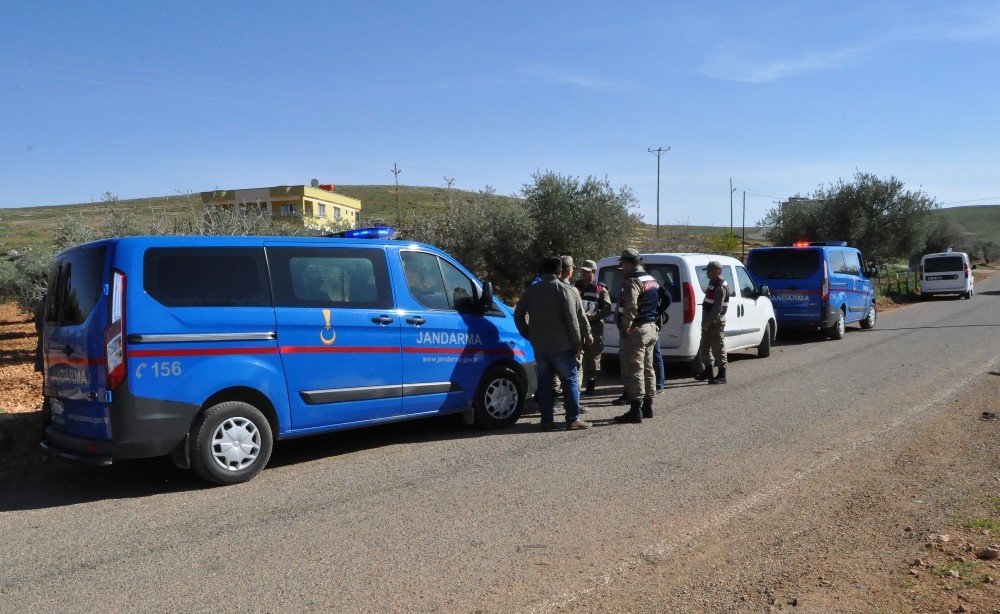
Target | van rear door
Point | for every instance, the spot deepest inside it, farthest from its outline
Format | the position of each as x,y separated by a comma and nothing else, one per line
76,315
794,275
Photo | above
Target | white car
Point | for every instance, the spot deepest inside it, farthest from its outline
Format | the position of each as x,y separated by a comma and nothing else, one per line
750,321
947,273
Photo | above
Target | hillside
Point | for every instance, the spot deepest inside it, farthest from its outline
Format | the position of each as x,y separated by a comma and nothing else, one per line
35,226
981,221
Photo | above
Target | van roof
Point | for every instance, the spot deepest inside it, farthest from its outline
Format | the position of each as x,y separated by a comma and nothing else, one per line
248,241
681,255
943,254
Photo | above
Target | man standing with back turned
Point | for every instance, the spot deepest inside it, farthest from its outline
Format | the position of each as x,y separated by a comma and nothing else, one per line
546,316
713,325
640,298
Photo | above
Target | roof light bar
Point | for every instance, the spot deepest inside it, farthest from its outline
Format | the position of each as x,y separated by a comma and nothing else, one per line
377,232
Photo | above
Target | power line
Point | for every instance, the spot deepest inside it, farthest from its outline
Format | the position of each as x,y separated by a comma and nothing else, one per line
395,170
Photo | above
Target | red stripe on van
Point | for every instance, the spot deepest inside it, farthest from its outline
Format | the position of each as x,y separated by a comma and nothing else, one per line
202,352
462,350
345,349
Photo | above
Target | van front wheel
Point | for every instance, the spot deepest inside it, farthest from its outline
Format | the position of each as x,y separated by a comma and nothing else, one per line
230,443
499,399
869,322
764,348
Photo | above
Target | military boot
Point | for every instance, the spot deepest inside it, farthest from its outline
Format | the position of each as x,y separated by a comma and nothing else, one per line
705,374
589,390
647,407
720,378
622,400
632,416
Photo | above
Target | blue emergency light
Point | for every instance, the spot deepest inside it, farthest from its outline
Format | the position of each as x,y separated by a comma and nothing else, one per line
377,232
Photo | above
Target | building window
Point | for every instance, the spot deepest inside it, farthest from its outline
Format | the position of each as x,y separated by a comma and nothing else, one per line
336,213
287,210
320,209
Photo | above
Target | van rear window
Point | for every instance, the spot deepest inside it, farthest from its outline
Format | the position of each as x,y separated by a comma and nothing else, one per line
793,263
665,274
207,277
75,283
944,264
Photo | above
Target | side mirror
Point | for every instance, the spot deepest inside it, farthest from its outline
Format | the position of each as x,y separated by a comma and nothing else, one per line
973,267
872,271
765,291
486,297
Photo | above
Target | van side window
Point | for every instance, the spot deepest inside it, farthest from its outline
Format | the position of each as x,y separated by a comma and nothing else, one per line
853,265
342,278
437,284
747,288
837,264
206,277
727,274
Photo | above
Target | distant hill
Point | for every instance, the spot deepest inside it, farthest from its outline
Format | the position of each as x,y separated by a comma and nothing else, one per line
982,221
35,226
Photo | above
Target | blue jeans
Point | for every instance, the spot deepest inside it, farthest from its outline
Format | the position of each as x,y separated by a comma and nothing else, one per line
661,373
564,364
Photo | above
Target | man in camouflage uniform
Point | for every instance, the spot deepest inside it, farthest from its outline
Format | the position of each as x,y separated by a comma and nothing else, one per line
713,325
640,298
596,306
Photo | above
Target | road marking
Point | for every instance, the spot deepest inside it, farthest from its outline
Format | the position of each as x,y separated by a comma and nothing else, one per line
665,547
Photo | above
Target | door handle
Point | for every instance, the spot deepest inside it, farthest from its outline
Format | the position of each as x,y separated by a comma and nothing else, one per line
415,320
382,320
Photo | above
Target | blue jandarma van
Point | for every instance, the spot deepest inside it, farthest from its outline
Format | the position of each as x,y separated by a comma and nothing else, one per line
210,348
816,285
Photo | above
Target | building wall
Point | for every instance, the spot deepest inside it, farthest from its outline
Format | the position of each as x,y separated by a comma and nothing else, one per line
315,206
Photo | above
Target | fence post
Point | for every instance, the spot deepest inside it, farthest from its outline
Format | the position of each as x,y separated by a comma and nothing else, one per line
907,282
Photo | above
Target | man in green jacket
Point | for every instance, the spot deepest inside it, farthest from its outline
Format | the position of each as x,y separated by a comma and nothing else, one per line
546,315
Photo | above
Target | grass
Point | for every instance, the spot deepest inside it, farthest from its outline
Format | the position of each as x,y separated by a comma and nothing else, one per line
981,221
980,524
964,568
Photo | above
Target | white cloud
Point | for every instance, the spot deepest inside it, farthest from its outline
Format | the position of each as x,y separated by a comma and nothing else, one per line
561,76
735,65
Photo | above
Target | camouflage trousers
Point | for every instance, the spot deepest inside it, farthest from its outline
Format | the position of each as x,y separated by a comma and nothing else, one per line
636,354
713,342
592,358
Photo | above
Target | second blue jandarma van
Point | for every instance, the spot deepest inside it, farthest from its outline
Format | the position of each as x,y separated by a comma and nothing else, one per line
209,349
816,285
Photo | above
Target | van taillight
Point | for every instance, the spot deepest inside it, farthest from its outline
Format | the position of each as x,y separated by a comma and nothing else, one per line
114,334
826,282
921,272
965,267
688,303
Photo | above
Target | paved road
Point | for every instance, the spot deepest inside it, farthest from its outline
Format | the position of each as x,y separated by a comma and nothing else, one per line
432,516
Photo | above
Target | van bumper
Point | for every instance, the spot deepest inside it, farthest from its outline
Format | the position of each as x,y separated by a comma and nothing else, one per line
140,428
829,319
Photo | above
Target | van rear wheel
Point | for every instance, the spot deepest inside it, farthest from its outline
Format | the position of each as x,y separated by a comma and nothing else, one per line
230,443
499,399
837,331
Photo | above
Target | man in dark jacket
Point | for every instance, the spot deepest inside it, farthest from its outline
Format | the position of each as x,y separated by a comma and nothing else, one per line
546,316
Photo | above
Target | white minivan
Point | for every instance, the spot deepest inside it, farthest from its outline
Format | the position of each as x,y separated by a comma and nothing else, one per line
947,273
750,321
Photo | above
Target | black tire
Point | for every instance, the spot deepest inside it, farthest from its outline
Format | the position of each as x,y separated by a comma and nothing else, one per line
695,368
610,363
837,331
764,349
869,322
492,406
203,449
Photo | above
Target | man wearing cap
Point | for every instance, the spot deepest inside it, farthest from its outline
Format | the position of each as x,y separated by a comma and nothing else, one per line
596,306
640,298
713,325
546,317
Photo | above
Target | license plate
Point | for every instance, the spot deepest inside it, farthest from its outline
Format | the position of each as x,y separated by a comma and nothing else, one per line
58,413
934,277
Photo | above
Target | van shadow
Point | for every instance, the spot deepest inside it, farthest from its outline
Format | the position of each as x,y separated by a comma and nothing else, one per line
989,293
56,483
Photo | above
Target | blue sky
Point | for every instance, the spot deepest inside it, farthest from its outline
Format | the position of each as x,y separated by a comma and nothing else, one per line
154,98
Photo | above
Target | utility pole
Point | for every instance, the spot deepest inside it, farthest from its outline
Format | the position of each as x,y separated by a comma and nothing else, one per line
743,252
658,152
399,216
731,191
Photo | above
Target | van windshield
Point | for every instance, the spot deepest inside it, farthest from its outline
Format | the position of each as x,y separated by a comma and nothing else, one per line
944,264
75,283
793,263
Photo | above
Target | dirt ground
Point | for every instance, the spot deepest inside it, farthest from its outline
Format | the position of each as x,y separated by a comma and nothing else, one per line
20,389
913,530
